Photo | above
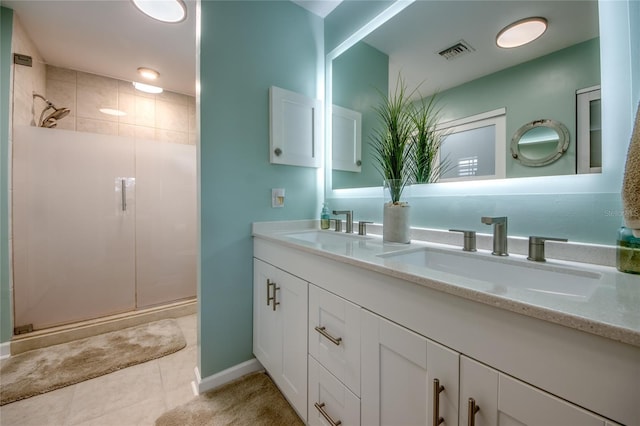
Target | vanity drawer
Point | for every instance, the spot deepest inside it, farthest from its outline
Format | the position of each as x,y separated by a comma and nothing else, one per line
334,335
329,397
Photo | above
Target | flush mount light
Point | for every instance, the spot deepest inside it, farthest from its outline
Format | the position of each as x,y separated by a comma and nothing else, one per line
147,88
148,73
521,32
171,11
111,111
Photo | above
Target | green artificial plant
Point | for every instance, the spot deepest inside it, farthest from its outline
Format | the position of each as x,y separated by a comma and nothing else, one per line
391,142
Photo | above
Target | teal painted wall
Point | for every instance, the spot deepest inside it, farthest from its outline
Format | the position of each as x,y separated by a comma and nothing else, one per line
246,47
359,76
542,88
6,30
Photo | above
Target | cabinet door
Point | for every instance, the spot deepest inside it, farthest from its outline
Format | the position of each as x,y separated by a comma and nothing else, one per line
267,330
443,366
291,298
334,335
505,401
295,130
330,399
394,374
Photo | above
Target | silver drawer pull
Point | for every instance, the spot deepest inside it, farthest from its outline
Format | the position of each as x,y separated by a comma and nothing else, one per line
473,408
323,330
326,415
437,388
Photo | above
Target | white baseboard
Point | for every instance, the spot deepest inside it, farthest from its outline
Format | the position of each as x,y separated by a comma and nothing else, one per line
5,350
226,376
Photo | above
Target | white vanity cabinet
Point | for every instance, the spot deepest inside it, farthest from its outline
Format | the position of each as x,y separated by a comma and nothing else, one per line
504,401
385,340
280,330
398,372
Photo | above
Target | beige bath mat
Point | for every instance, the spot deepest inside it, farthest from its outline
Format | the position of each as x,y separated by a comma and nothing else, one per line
251,400
43,370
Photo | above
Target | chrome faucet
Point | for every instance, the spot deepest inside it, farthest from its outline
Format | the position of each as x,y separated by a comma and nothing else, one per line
349,214
499,234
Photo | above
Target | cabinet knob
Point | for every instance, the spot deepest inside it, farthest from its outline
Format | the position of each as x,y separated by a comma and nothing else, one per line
277,152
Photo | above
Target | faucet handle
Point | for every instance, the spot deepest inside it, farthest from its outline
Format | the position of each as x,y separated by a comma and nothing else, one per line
536,247
492,220
362,227
338,223
469,239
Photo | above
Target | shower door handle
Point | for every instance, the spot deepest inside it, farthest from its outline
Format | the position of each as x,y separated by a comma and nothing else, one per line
123,183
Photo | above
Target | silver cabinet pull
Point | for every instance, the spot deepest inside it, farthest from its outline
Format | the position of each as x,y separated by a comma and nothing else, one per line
123,183
473,409
320,408
323,330
437,388
270,298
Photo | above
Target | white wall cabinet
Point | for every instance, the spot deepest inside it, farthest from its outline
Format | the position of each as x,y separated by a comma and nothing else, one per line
295,129
280,330
346,139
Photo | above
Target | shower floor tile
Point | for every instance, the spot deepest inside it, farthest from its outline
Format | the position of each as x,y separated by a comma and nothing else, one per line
132,396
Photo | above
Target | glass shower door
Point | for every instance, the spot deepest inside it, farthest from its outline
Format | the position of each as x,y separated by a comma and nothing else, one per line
165,222
74,227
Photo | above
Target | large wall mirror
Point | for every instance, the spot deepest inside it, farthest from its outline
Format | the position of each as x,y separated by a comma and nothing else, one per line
533,82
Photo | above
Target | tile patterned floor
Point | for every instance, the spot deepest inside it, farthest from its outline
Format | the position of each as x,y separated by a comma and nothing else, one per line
133,396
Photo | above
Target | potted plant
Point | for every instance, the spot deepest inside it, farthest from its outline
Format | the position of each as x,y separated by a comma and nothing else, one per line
392,154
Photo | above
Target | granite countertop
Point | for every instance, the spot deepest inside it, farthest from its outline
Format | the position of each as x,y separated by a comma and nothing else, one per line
609,307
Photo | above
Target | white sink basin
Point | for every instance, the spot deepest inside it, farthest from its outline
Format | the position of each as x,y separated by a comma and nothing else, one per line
326,237
504,273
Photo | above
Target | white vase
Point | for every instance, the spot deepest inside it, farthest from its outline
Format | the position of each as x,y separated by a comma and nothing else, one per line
396,227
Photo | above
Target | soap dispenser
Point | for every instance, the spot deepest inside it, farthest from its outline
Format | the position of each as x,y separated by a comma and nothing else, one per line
324,217
628,251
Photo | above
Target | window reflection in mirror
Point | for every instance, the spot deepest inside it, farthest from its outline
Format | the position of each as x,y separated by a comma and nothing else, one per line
533,81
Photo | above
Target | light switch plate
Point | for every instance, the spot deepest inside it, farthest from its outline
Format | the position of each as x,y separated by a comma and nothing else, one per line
277,197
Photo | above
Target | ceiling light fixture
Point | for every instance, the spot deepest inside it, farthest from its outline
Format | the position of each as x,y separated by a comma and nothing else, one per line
148,73
147,88
112,111
521,32
171,11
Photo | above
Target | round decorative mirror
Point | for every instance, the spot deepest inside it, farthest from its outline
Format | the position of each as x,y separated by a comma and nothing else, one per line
540,142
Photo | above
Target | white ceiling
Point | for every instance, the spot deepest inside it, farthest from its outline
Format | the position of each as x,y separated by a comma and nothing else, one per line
413,38
112,38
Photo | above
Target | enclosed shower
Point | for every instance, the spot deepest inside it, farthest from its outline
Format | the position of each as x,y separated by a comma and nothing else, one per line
102,224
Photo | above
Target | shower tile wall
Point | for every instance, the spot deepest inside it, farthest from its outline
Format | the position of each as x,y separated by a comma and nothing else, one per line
26,80
166,117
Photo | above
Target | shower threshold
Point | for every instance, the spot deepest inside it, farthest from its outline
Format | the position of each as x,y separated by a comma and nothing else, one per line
79,330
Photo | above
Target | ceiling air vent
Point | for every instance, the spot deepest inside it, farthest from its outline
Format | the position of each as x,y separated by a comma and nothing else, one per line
457,50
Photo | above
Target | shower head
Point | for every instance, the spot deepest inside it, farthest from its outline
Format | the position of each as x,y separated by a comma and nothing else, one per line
51,120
